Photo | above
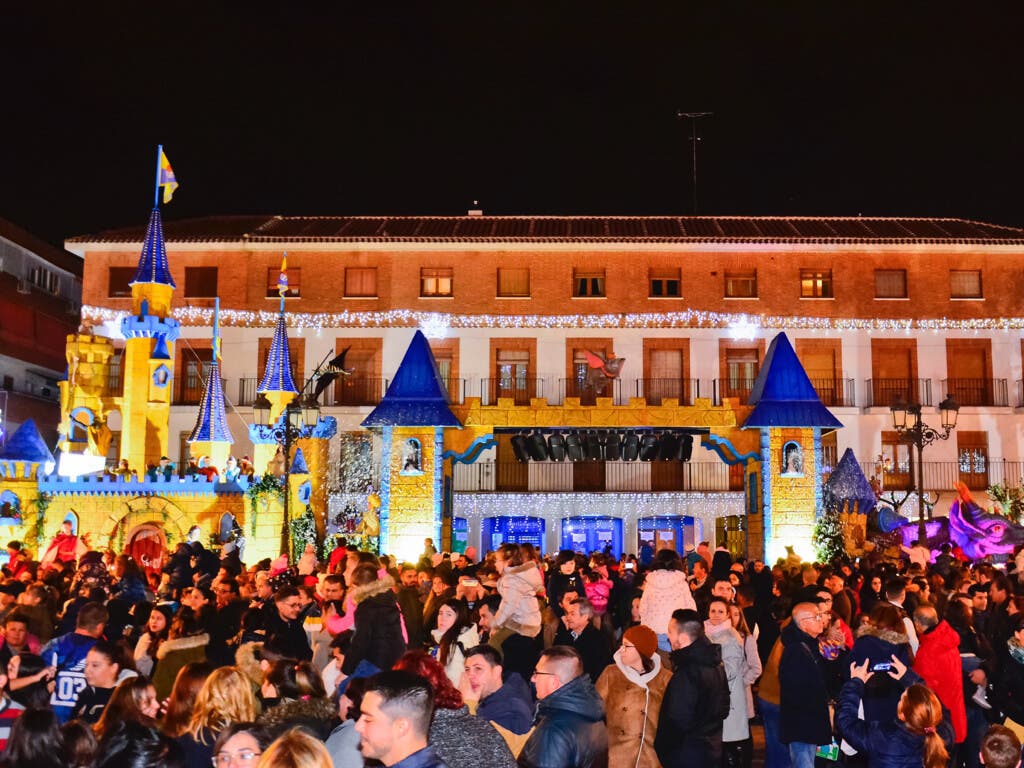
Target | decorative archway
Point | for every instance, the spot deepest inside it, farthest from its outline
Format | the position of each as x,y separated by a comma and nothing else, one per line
147,545
154,511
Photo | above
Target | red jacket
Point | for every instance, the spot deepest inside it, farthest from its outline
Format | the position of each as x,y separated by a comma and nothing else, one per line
938,662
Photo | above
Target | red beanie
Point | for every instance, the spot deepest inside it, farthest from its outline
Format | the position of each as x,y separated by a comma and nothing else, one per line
643,639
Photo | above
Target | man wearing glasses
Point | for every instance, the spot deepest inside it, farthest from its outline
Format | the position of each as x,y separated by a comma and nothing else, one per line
804,719
283,625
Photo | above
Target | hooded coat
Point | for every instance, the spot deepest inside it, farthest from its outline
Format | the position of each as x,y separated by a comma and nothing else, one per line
519,610
511,706
938,662
736,726
316,714
172,655
695,705
664,592
570,730
377,636
633,700
803,690
881,695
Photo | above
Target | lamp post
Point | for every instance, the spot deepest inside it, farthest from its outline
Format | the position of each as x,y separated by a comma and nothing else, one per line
300,414
920,434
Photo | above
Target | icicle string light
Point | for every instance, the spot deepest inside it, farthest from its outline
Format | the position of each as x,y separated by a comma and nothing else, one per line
689,318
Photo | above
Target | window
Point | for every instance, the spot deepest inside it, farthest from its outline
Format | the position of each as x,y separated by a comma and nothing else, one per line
895,472
117,282
436,281
201,282
513,281
294,282
965,284
588,283
45,279
816,284
665,283
741,285
361,282
972,459
890,283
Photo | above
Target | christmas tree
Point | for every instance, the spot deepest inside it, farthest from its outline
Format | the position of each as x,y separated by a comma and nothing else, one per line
829,542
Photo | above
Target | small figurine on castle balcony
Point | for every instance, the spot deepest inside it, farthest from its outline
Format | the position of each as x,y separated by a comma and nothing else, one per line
206,469
369,526
65,547
231,470
411,457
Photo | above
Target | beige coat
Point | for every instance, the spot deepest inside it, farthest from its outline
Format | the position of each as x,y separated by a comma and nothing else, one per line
632,702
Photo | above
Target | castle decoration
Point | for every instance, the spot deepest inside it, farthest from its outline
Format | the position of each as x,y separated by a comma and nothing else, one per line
790,416
412,417
211,437
849,493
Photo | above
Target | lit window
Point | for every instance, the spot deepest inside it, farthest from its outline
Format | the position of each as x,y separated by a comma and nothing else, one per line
816,284
665,282
513,281
965,284
890,283
588,283
436,281
741,285
294,282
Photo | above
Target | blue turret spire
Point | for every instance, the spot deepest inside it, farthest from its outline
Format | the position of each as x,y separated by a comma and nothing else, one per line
278,375
153,266
212,424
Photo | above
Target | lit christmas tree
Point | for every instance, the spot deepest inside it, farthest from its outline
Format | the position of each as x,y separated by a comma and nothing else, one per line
829,542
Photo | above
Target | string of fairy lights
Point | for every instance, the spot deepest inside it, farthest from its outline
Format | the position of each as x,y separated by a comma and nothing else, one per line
688,318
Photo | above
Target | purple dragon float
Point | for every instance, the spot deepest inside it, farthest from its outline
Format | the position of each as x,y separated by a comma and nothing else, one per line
977,532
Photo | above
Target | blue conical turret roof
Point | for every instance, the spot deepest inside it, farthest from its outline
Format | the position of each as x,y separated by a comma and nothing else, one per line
278,375
153,266
26,444
417,396
847,483
783,396
211,423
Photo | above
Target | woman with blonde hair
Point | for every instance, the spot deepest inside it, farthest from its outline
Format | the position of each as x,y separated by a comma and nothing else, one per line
295,749
225,698
919,736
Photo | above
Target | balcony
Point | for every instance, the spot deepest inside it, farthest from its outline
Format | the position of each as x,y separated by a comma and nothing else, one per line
247,391
880,393
836,392
978,392
588,395
520,390
738,388
977,472
190,392
654,391
354,391
594,476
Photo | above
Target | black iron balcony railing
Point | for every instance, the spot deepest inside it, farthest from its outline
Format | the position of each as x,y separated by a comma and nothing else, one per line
882,392
976,472
354,390
191,390
977,392
520,390
738,388
836,392
588,394
654,391
247,391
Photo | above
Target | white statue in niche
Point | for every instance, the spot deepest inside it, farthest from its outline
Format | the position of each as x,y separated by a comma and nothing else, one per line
792,460
412,457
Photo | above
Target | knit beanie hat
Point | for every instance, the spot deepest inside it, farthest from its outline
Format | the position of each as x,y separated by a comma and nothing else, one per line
643,639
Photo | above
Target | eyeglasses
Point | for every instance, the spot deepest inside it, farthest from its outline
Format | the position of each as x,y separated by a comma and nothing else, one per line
627,645
810,617
541,674
241,757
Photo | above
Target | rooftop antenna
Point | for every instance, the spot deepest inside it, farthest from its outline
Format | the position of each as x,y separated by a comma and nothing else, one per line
694,138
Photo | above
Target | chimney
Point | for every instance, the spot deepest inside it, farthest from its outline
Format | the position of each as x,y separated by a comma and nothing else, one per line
475,210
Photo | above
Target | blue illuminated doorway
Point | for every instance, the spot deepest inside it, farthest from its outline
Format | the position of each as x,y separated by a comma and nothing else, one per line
666,532
496,531
592,534
460,534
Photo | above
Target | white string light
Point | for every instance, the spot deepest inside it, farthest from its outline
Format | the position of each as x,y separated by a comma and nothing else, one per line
690,318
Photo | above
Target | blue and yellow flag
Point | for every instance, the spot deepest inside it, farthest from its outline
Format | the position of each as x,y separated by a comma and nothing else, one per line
282,279
166,179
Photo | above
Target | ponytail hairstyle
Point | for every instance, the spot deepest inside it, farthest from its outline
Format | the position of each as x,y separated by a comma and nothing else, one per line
921,711
295,680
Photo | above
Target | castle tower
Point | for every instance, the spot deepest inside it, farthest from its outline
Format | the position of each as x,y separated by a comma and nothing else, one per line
211,436
277,386
24,460
87,387
149,334
791,418
412,417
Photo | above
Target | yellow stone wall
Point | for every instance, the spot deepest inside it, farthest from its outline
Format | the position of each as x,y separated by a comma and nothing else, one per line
412,500
145,408
792,498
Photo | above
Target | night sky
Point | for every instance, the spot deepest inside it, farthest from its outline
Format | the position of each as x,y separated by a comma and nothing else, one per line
823,108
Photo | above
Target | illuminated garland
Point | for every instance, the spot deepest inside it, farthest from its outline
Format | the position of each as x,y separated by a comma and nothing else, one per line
689,318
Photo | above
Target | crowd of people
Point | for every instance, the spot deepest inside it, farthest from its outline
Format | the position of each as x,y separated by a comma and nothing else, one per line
514,658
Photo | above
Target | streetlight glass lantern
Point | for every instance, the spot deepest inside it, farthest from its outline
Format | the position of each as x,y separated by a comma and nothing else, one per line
294,415
949,409
310,411
899,409
261,408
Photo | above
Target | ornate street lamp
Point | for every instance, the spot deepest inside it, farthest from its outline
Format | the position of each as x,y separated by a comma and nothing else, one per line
919,434
300,415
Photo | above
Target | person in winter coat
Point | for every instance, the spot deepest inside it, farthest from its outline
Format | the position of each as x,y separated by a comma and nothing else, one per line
917,737
570,730
736,745
632,689
804,719
455,634
461,740
665,590
871,594
564,577
518,584
377,636
156,632
938,663
753,659
284,625
508,703
294,696
696,700
186,642
877,641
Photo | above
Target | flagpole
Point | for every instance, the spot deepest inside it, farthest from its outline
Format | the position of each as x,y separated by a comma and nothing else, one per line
216,327
156,191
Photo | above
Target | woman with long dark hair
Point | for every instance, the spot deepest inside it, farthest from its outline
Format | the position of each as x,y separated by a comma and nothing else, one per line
293,695
103,665
133,699
455,634
179,707
35,742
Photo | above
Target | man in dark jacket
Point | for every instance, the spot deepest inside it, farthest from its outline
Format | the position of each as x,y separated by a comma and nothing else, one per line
505,702
804,720
579,632
411,606
570,730
696,700
283,625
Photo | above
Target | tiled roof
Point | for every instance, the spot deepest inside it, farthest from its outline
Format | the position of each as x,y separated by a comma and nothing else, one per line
725,229
416,396
783,396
